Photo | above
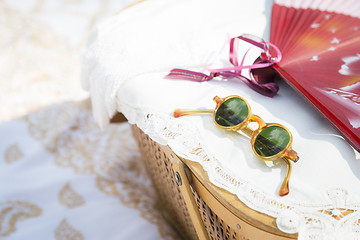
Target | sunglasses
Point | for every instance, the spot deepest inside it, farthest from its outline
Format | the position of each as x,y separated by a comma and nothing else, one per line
270,141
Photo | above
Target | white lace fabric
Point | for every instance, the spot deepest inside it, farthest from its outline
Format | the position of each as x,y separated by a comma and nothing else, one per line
124,70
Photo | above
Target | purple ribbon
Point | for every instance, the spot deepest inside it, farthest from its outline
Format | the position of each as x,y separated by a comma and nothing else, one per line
262,84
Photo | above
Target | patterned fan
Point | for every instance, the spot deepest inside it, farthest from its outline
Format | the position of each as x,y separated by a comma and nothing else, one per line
320,44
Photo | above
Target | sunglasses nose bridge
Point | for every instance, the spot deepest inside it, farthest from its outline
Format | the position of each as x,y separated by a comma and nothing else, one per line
258,120
250,131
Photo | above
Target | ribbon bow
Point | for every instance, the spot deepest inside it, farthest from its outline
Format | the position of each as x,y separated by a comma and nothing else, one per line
262,84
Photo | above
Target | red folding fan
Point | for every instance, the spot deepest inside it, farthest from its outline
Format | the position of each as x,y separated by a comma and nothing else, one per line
320,44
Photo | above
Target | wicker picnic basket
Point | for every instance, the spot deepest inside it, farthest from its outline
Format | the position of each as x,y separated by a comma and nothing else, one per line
194,206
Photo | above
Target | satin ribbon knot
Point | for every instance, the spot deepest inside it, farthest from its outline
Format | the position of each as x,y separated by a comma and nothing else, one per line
261,73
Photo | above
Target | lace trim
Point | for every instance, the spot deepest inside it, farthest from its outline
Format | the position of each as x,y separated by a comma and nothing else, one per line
312,221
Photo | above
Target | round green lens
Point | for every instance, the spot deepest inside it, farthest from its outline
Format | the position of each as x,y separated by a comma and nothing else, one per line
231,112
271,140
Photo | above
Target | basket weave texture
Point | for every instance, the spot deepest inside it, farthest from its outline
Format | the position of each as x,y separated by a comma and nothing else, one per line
159,166
159,161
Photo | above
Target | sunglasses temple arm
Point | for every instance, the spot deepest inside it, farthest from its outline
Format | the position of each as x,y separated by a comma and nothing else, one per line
248,131
184,112
284,189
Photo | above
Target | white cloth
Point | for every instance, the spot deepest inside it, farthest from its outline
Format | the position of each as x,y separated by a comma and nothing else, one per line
124,70
61,177
148,42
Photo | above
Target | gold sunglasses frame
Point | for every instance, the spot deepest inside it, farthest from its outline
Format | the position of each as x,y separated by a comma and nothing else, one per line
287,153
